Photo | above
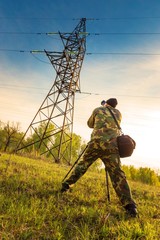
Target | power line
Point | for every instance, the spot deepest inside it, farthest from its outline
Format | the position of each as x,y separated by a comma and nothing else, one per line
88,53
86,33
125,33
122,53
22,51
120,95
31,33
89,19
39,59
126,18
18,86
38,18
11,86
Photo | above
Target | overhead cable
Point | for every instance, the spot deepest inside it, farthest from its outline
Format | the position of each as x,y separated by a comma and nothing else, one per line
89,18
85,33
122,53
88,53
120,95
20,87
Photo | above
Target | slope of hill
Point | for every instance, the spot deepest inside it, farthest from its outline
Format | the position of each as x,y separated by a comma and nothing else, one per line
31,206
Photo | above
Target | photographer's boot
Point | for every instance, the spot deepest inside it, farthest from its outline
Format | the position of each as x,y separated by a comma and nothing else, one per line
131,210
65,187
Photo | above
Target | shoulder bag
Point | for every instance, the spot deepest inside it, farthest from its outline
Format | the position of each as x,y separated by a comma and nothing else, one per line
126,144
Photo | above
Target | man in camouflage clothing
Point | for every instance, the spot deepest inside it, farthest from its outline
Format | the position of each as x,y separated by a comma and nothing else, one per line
103,145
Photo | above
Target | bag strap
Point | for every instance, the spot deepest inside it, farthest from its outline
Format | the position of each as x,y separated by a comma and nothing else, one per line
114,119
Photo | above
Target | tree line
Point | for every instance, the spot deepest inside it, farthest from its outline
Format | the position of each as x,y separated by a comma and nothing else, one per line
10,137
142,174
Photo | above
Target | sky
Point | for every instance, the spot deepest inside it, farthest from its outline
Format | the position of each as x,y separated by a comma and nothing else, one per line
122,60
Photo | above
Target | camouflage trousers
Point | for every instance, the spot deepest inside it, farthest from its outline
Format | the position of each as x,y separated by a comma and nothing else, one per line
111,160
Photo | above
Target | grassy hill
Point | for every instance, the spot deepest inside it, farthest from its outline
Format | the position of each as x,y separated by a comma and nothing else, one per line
31,206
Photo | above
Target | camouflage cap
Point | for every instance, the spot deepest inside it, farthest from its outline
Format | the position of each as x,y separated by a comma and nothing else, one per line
112,102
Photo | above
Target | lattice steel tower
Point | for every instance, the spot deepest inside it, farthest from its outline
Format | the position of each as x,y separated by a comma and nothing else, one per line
52,126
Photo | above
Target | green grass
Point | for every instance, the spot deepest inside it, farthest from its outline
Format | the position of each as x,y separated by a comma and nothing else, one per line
31,206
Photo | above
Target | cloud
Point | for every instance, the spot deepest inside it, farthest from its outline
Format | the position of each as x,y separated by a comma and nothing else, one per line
21,93
134,81
127,76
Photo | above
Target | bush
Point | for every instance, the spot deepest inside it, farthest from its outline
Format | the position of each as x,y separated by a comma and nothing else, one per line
144,175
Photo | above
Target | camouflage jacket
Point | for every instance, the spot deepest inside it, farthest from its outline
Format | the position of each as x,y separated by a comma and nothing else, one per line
103,124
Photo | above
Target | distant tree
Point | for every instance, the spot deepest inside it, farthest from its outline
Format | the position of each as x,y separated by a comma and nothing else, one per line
133,173
9,135
1,135
48,148
148,176
144,175
33,142
76,148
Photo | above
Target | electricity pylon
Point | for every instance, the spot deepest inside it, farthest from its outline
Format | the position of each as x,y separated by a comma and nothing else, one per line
52,126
